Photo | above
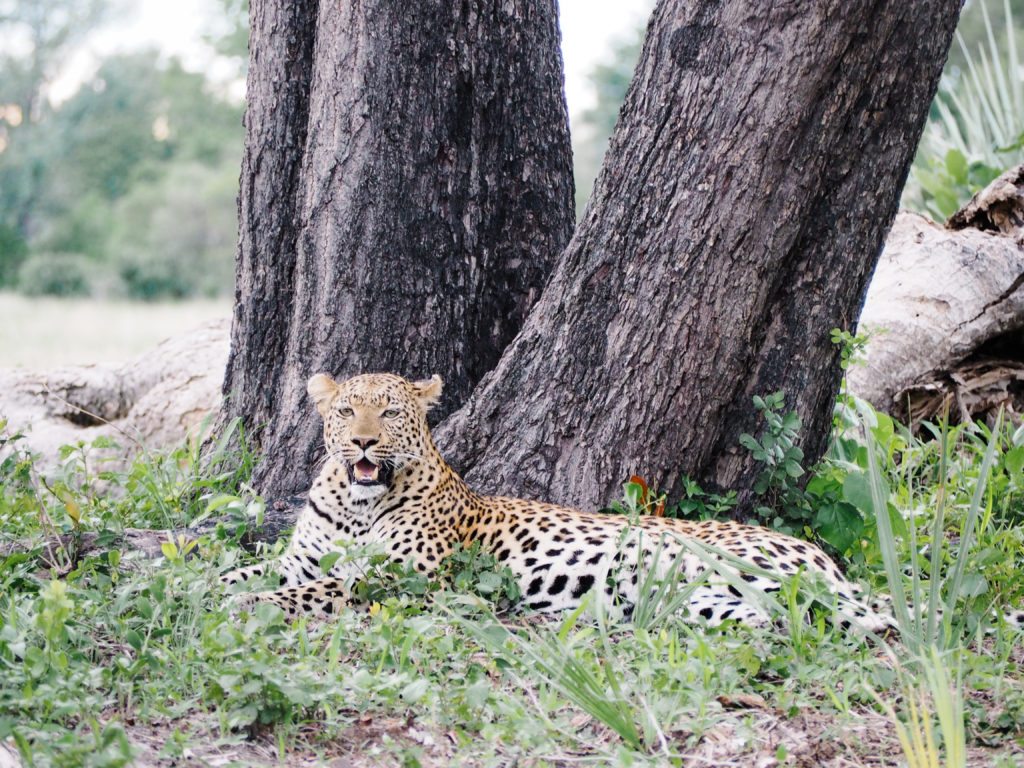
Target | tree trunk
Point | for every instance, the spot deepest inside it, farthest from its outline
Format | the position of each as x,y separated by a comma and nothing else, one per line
406,187
754,172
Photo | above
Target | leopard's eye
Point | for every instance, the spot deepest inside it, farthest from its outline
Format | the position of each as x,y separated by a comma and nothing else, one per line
391,413
347,412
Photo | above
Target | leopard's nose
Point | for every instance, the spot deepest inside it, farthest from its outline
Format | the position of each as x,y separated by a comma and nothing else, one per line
365,442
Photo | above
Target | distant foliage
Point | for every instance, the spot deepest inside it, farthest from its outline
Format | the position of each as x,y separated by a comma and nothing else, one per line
54,274
136,173
976,127
233,40
13,251
592,128
175,237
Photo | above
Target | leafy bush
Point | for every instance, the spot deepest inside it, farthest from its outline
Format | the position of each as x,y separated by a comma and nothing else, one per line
54,274
175,237
976,127
148,277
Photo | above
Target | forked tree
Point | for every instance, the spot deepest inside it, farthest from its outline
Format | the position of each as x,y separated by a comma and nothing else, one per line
741,209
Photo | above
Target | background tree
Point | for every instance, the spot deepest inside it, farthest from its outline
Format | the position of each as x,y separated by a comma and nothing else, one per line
405,189
131,183
232,40
35,38
593,127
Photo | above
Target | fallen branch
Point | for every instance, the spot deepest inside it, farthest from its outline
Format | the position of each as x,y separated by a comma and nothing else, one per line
945,309
63,552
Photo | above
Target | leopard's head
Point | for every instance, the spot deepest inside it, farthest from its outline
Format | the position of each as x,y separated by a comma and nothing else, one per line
375,425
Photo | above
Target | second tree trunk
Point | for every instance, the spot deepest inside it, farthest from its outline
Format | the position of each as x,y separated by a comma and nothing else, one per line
755,170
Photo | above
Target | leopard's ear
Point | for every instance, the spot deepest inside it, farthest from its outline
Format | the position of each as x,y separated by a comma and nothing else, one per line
322,388
428,391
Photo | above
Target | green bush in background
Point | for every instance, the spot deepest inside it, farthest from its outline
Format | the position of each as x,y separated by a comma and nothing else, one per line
13,251
54,274
175,237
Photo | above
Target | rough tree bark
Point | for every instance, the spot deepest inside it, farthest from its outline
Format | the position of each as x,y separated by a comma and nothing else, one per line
755,169
406,187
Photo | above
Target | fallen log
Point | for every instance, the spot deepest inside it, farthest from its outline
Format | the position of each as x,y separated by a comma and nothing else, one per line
155,401
945,310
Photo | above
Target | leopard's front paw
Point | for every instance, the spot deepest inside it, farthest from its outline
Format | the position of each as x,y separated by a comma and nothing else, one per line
242,575
243,603
248,603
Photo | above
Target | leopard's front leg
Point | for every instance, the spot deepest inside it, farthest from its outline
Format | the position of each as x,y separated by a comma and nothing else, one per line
293,568
318,598
242,575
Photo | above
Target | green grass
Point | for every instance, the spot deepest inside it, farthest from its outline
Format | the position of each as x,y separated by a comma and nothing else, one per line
105,659
49,332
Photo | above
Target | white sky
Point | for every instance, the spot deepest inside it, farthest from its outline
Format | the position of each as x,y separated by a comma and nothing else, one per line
177,27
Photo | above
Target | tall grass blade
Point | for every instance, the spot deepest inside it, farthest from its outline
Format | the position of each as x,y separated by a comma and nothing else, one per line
887,543
662,595
938,529
932,695
1017,85
955,580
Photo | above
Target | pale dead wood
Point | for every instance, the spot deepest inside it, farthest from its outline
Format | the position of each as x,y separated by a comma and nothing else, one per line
945,311
156,400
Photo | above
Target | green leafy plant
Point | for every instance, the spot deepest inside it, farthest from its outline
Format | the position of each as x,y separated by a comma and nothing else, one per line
776,448
783,503
851,347
976,128
54,274
698,504
465,571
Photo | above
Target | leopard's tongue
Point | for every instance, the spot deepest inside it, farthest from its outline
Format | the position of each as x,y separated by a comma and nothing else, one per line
365,470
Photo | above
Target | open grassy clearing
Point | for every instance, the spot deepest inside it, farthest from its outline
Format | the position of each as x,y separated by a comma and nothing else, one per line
43,332
106,659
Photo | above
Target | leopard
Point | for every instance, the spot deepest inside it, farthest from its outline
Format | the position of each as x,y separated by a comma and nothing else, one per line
384,484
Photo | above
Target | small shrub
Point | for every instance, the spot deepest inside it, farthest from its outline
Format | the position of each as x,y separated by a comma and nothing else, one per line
467,570
54,274
148,278
12,254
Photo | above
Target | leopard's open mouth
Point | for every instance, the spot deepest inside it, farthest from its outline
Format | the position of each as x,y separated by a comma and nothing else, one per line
365,472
